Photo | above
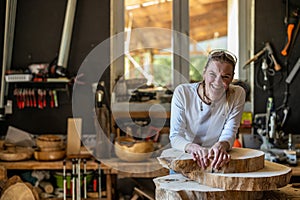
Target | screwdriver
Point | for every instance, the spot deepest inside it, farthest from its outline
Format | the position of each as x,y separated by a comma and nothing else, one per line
290,29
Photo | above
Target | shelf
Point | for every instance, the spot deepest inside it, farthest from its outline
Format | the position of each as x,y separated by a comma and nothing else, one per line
57,85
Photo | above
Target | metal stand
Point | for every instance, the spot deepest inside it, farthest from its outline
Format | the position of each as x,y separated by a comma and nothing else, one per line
64,180
73,177
99,179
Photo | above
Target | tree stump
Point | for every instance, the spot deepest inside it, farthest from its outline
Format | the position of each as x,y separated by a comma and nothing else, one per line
271,177
247,171
178,187
242,160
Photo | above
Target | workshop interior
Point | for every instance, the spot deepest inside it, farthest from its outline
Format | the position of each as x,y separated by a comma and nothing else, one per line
86,90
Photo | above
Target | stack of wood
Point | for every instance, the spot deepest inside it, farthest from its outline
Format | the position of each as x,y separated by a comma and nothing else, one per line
246,176
15,188
50,147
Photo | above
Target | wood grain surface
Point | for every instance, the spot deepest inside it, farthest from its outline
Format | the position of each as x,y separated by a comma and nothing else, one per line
242,160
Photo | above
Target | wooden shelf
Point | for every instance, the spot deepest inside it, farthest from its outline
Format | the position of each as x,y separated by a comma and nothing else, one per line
109,167
48,165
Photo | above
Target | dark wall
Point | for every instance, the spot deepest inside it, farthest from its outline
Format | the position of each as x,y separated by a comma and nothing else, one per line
270,27
38,30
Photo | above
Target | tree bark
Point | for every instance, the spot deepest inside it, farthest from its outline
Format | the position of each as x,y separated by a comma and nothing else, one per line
242,160
247,171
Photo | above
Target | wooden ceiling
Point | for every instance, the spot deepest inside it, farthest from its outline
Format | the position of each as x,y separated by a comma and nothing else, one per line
208,19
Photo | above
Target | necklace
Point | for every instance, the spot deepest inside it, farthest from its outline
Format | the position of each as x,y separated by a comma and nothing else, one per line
206,99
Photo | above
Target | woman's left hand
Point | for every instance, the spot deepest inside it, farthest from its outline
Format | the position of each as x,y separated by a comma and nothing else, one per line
219,152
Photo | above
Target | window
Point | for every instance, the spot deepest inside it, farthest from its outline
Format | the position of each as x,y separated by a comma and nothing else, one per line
148,40
208,30
150,54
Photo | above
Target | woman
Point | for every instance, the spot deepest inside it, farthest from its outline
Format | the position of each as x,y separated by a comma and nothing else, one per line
205,116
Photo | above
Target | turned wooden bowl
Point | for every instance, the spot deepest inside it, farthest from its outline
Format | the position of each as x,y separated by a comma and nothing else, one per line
49,142
131,150
49,155
15,153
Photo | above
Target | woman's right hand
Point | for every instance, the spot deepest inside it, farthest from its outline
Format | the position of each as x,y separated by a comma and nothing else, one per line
200,154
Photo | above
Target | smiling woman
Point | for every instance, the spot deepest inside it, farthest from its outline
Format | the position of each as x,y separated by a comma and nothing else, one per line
205,116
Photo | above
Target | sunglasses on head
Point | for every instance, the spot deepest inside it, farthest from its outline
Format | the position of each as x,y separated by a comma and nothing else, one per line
220,54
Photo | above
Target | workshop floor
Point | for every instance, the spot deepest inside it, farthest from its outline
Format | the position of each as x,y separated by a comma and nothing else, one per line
125,186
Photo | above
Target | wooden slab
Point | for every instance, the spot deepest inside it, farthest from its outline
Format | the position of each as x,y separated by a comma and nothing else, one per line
74,136
178,187
271,177
242,160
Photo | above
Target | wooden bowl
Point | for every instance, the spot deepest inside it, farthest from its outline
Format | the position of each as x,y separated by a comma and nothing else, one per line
16,154
49,141
49,137
49,155
131,150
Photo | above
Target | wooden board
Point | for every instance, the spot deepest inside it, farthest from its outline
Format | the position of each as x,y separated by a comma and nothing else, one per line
178,187
271,177
74,136
242,160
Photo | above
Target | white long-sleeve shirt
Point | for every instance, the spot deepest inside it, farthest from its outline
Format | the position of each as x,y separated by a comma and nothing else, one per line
204,124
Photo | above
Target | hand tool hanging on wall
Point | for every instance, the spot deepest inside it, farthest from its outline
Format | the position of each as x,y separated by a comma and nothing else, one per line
267,48
293,25
288,81
294,71
268,61
290,20
26,98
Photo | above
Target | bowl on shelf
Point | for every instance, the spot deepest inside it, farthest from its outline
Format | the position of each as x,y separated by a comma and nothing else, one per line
16,153
131,150
49,155
47,142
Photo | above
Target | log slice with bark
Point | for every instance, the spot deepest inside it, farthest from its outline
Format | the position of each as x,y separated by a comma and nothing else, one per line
242,160
271,177
247,170
178,187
